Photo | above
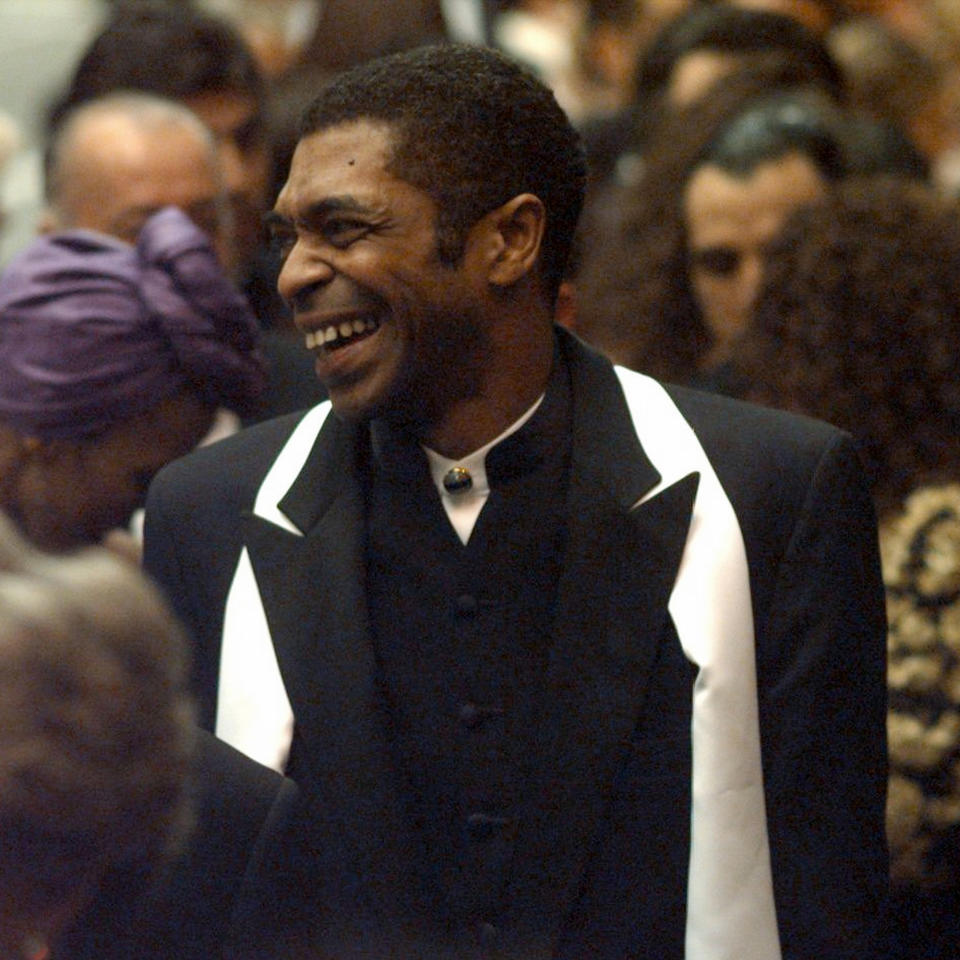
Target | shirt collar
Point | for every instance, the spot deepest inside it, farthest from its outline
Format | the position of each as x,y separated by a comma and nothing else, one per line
475,463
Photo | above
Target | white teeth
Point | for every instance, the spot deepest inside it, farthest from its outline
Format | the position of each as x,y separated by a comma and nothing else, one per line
337,331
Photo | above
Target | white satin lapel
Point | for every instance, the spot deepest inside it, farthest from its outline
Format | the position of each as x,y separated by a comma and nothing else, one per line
286,468
731,913
253,709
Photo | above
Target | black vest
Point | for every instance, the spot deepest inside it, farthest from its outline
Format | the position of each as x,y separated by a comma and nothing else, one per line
461,634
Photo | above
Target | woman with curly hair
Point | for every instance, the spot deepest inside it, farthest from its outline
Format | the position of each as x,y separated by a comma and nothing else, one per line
858,323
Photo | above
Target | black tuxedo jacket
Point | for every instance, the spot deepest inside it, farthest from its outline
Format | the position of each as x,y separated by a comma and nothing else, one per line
598,865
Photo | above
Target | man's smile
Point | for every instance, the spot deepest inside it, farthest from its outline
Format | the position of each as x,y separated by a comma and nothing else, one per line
344,342
340,332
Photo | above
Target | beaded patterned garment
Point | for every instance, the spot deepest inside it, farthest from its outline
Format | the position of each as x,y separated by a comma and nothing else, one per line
920,547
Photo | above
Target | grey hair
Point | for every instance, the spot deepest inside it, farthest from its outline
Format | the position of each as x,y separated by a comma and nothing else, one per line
96,725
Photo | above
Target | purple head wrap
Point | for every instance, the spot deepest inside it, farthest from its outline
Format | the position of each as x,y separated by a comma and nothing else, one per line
93,331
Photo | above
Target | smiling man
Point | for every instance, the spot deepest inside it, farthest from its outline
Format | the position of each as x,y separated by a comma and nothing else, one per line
567,664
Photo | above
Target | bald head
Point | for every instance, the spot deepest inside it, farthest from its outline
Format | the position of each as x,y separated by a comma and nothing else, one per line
116,160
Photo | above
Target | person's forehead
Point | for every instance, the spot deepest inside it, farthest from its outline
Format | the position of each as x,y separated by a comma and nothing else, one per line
697,72
125,191
771,182
144,439
349,158
146,151
359,143
167,182
721,207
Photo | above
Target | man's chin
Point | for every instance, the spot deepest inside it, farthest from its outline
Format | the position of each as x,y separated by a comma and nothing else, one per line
354,413
353,409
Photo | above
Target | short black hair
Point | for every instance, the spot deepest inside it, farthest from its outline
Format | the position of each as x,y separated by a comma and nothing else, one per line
473,129
726,28
173,52
775,126
878,147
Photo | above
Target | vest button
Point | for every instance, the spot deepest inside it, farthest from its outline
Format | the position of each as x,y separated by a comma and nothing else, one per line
470,714
481,826
487,934
473,715
457,480
466,605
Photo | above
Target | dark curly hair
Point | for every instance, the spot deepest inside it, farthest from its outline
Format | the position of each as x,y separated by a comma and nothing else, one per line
858,323
473,129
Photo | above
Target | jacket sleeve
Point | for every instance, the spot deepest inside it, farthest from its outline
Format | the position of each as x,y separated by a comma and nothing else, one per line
190,553
821,664
193,536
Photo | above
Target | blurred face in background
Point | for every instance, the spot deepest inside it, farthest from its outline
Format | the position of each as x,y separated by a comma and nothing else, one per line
69,493
816,15
698,72
729,221
115,174
237,124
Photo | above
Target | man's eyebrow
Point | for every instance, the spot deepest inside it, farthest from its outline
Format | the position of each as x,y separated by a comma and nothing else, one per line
318,210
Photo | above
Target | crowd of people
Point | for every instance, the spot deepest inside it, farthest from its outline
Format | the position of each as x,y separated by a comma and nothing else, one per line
550,412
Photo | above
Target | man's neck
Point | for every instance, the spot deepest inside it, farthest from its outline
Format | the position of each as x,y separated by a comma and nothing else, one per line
505,396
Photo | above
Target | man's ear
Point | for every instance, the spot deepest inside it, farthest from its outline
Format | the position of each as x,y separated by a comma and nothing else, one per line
514,235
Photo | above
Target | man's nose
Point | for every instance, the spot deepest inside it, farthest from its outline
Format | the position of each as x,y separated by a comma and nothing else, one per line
301,275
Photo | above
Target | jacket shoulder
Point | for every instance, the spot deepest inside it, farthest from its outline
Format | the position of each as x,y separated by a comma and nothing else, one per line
766,458
231,468
779,471
731,429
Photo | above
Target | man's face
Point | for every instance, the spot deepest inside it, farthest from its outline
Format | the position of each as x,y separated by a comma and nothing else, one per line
118,175
729,222
395,332
234,119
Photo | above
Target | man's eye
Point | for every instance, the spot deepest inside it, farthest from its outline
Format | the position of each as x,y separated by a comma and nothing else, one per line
342,231
722,261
